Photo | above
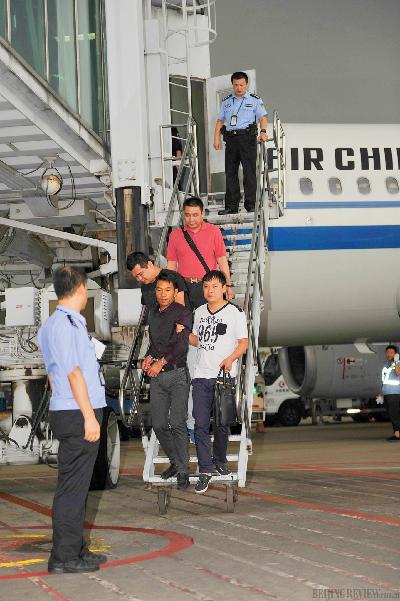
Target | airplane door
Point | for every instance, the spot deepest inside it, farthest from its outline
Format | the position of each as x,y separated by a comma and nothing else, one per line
217,89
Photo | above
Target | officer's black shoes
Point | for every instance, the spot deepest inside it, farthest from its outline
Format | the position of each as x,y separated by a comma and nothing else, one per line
91,557
75,566
183,481
170,472
393,439
228,212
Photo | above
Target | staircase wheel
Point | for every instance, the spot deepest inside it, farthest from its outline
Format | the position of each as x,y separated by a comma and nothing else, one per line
163,500
231,498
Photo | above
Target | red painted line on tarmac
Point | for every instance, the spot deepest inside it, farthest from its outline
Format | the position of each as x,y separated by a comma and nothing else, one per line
333,470
45,587
369,517
27,504
177,542
347,472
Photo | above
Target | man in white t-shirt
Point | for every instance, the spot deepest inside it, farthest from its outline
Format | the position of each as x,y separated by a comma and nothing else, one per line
220,335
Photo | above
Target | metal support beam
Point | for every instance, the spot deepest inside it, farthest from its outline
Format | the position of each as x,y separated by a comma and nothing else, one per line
131,230
110,247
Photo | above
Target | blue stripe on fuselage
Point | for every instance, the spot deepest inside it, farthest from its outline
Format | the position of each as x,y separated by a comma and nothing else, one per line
333,237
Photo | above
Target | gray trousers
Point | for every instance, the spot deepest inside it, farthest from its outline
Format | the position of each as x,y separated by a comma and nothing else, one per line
169,405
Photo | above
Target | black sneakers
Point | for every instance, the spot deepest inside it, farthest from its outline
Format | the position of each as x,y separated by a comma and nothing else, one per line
202,483
75,566
183,481
170,472
222,469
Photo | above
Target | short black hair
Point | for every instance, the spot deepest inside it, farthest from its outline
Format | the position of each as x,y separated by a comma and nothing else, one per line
136,258
239,75
391,347
167,276
66,280
215,274
193,201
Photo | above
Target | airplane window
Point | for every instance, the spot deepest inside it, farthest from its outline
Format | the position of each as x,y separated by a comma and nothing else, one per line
364,187
335,185
306,185
392,185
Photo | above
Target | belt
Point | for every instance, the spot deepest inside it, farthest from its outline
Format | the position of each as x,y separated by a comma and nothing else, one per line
240,132
172,366
193,280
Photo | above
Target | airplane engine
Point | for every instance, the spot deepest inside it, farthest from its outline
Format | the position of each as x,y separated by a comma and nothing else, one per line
339,371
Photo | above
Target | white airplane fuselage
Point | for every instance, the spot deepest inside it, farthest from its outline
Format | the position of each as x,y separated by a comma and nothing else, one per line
332,273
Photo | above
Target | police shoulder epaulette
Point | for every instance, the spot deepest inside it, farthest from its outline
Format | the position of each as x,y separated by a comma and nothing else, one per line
71,321
226,97
236,307
255,96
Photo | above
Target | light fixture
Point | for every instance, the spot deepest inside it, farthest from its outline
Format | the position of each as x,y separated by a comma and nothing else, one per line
51,181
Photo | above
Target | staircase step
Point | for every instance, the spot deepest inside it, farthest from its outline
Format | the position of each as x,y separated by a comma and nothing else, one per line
237,236
158,481
230,219
234,248
231,228
193,459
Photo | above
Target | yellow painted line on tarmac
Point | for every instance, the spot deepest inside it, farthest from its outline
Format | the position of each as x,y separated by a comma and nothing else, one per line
23,562
8,536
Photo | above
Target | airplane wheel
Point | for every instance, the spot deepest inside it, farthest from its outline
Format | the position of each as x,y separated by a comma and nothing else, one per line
106,468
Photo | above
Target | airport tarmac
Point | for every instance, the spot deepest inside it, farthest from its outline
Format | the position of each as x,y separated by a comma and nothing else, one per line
318,519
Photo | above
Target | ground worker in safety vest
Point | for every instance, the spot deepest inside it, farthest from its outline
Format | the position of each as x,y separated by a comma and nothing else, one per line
391,389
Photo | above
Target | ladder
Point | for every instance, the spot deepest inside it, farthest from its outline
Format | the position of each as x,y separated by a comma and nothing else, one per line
246,237
186,24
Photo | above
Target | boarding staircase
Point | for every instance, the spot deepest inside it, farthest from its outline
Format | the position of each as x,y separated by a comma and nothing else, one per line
246,240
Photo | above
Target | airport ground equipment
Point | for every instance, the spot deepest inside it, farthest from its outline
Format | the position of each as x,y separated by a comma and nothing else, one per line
246,239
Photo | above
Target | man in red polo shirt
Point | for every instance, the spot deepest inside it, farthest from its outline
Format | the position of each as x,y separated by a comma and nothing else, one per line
208,239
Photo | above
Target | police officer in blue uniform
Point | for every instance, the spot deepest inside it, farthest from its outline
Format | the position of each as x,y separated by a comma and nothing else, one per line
391,389
76,408
237,119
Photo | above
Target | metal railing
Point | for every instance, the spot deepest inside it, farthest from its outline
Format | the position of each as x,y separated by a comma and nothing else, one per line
253,302
188,160
133,376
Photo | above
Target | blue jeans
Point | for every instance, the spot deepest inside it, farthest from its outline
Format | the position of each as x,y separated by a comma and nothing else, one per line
203,400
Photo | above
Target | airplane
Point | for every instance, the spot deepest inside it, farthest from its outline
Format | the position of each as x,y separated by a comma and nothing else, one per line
331,276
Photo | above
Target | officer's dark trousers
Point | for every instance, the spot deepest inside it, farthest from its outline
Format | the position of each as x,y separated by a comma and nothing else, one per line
240,149
76,459
169,393
392,402
203,401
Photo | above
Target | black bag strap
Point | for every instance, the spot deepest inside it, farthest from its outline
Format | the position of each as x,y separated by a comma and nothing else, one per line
194,248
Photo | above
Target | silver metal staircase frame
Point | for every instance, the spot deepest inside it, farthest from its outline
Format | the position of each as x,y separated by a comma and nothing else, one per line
131,377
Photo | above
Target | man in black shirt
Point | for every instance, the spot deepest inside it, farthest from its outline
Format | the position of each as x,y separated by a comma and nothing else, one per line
166,366
145,272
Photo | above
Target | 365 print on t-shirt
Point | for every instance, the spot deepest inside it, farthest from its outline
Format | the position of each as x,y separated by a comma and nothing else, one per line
210,328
